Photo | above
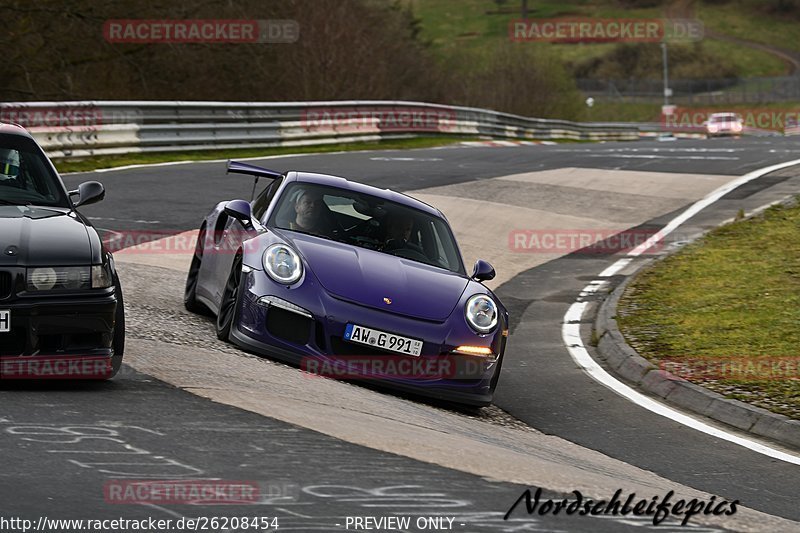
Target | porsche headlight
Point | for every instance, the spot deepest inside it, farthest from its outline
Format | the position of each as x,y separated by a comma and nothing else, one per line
481,313
282,264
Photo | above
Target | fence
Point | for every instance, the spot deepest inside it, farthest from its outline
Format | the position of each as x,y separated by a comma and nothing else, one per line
87,128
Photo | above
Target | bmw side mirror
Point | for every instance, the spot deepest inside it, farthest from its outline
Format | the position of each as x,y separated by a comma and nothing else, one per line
88,192
240,210
483,271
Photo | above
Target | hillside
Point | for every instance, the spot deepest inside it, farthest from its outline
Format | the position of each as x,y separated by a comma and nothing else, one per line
456,26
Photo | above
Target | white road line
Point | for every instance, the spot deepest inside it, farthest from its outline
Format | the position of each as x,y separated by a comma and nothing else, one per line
570,330
689,157
113,236
254,158
163,509
190,162
126,220
405,158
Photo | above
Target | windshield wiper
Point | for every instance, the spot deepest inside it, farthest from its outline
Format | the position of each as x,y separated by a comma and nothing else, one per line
9,202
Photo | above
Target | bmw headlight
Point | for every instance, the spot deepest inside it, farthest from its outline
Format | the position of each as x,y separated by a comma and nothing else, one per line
282,264
481,313
69,278
102,277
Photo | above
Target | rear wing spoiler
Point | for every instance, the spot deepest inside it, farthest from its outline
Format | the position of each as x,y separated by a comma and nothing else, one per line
237,167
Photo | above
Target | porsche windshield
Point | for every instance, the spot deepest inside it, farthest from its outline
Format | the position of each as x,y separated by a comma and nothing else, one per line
368,222
25,176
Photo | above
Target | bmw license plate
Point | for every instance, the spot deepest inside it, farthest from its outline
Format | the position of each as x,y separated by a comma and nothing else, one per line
5,320
382,340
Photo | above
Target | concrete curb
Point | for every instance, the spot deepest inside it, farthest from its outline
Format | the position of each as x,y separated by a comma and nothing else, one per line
632,367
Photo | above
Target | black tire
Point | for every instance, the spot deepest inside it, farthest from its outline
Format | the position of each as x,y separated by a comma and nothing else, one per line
190,301
230,295
496,377
118,342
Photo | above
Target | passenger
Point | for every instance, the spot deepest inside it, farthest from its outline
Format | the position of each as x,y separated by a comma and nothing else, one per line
398,234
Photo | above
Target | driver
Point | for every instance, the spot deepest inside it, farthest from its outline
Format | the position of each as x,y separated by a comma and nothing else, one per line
309,213
398,233
9,164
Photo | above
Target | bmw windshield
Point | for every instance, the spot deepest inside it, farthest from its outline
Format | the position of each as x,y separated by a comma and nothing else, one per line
26,178
368,222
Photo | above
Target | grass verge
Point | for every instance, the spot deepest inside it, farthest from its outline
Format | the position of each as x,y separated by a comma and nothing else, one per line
111,161
724,311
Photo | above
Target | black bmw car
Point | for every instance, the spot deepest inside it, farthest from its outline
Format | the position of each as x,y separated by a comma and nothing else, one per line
61,311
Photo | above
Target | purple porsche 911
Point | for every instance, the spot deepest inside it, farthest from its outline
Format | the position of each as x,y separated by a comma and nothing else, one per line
352,282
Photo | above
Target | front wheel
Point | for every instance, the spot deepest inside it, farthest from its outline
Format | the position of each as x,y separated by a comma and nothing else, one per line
496,376
190,301
118,342
227,308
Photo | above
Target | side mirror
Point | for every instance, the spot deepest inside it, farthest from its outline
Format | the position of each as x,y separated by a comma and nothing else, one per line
483,271
88,192
240,210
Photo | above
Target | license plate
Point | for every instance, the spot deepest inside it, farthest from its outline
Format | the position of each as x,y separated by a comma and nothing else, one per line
382,340
5,321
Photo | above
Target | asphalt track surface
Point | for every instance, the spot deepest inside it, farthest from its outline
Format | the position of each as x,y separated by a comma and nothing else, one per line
62,445
540,384
176,197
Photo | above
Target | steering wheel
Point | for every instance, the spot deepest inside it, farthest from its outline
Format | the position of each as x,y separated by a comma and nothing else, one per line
366,242
371,224
409,253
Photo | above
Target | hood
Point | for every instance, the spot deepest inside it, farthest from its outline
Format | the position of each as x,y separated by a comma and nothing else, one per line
40,236
367,277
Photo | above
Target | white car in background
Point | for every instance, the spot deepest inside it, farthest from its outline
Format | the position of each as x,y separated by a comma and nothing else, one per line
792,126
724,124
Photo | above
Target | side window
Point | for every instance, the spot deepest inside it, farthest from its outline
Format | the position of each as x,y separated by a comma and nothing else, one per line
265,198
441,255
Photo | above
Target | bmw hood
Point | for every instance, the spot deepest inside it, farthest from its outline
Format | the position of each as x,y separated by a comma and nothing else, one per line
368,277
38,236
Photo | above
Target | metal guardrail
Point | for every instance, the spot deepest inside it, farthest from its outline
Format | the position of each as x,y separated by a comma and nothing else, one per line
87,128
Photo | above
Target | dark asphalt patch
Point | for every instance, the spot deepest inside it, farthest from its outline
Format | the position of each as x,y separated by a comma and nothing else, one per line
69,441
750,188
